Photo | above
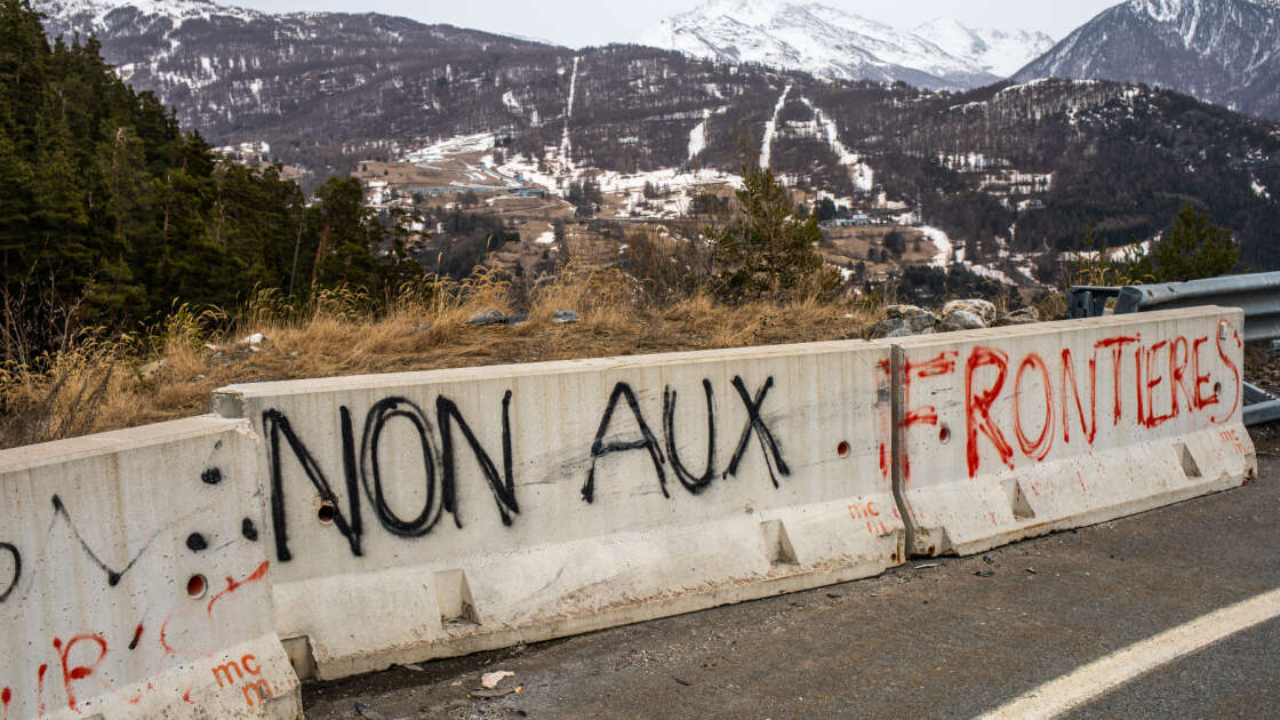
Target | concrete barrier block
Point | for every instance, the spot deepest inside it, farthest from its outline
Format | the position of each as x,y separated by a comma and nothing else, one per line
1009,433
433,514
133,580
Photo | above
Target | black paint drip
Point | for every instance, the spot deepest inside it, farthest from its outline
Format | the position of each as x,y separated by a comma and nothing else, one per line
196,542
248,530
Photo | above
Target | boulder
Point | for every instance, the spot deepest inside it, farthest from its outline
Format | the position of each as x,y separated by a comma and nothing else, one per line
982,309
905,321
1025,316
561,317
487,316
897,312
961,320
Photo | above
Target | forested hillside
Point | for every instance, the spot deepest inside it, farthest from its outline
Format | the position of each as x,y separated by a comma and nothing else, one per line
110,212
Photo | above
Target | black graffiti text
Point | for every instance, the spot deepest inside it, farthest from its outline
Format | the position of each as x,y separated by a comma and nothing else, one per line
646,440
368,473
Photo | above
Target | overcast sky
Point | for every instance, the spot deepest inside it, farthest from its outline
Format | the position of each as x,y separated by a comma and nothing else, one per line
595,22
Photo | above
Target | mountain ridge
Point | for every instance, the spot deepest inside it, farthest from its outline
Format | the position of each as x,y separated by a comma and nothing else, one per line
1222,51
828,42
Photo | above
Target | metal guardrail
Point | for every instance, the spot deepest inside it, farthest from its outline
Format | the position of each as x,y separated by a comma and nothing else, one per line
1258,295
1086,301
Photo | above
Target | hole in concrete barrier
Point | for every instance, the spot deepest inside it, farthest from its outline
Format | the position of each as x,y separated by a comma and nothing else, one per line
326,513
453,595
196,585
1018,501
778,544
944,434
843,449
1189,465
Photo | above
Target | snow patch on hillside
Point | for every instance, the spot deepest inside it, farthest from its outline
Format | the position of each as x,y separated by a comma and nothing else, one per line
860,173
566,145
1259,189
771,128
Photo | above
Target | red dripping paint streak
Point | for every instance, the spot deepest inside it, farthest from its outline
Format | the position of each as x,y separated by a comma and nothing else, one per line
6,695
233,585
40,685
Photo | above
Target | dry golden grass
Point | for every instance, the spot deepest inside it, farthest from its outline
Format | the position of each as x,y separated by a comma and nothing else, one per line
102,386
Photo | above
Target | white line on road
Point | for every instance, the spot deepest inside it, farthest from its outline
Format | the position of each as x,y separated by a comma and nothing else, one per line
1095,679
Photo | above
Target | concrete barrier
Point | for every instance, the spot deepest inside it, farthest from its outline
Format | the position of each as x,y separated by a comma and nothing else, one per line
133,581
432,514
1013,432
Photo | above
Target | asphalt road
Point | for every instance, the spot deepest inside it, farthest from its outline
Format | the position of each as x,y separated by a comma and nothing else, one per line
933,639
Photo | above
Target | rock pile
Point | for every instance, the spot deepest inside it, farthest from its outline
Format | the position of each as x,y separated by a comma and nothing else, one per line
970,314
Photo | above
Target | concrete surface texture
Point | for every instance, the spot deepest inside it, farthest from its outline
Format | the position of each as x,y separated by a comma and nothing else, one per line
941,638
133,581
485,507
1008,433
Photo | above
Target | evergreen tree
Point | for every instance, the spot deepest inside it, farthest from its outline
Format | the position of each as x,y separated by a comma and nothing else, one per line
1194,248
765,250
107,206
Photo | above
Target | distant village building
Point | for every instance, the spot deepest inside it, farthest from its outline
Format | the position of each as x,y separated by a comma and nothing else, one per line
854,220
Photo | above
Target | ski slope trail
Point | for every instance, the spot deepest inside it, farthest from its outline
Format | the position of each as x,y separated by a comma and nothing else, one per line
770,128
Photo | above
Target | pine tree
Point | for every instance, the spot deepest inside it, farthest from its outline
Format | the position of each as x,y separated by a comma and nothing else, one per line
765,250
1194,248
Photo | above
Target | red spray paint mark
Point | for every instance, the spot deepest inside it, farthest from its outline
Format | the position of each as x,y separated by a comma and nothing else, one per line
1039,449
1090,428
164,639
40,685
1177,374
1142,406
1235,371
978,407
1201,401
6,695
137,635
233,585
944,364
1154,381
1116,345
79,672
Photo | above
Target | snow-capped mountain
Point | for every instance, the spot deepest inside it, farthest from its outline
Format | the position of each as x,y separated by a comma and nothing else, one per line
1223,51
828,42
999,52
178,11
